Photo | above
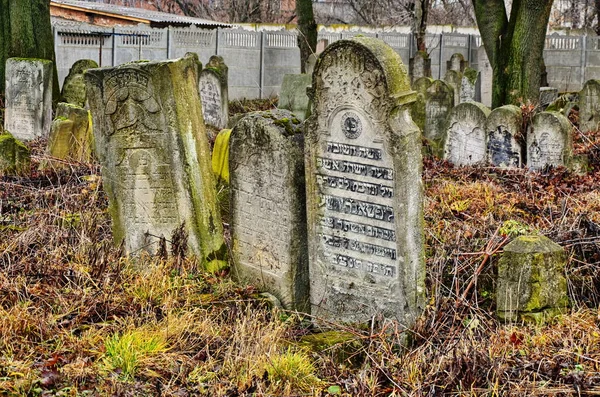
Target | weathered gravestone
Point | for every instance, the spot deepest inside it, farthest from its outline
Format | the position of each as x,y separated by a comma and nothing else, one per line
15,157
420,66
465,142
549,141
589,106
293,95
486,77
220,156
417,110
468,84
457,63
364,189
547,96
268,206
28,93
214,93
155,156
504,127
531,281
73,90
71,136
439,103
454,80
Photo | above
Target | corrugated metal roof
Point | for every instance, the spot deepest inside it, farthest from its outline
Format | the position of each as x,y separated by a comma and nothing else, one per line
139,13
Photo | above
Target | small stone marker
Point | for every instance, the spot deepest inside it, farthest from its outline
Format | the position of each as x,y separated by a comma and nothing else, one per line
505,133
417,110
420,66
487,75
549,141
155,156
589,106
28,97
454,80
15,157
220,155
457,63
268,206
531,281
73,90
468,84
466,142
71,136
293,95
213,92
364,189
547,96
439,103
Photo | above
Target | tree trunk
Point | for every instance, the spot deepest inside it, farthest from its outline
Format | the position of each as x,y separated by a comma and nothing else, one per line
307,39
419,27
598,16
26,31
514,46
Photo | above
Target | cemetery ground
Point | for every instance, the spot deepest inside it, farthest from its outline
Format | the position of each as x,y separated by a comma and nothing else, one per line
78,318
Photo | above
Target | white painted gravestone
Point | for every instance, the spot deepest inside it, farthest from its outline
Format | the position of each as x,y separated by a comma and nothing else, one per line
549,141
589,106
364,189
214,92
28,98
268,206
465,142
155,157
505,133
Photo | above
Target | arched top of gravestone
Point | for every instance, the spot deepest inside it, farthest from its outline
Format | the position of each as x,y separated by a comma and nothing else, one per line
554,119
422,84
457,62
591,83
382,75
505,112
82,65
441,89
216,65
474,108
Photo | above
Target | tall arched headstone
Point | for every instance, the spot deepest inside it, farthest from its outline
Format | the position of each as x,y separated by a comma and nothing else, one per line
466,142
439,103
589,106
454,80
214,93
504,127
364,188
418,107
549,141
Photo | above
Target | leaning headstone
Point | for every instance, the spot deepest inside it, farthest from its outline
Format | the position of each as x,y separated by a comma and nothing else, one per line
155,157
531,282
457,63
420,66
440,101
454,80
364,189
417,110
268,206
214,93
486,77
15,157
549,141
468,84
28,93
71,137
73,89
589,106
505,133
465,142
547,96
293,95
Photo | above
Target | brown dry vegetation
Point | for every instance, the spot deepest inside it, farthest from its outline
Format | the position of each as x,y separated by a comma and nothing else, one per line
79,319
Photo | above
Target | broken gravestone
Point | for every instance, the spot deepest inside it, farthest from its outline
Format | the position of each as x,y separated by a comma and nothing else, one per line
293,95
439,102
505,136
419,66
549,141
364,188
28,112
589,106
454,80
417,110
213,92
155,156
531,282
468,83
73,90
268,206
457,63
465,142
71,136
15,157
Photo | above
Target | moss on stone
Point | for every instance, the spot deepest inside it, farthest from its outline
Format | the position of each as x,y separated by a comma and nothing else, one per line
471,75
15,157
220,155
343,346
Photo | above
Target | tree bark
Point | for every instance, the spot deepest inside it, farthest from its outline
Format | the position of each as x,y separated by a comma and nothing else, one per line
419,27
307,39
598,15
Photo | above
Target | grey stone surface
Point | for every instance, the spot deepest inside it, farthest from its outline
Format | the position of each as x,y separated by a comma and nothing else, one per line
466,140
468,83
547,96
364,188
454,80
589,106
214,93
293,94
268,206
28,93
417,110
549,141
419,66
73,89
440,101
457,63
155,157
504,127
487,75
71,137
531,281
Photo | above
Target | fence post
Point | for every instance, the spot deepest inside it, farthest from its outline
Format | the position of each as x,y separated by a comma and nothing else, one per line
217,41
114,48
583,60
169,42
261,70
441,41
